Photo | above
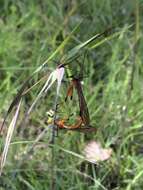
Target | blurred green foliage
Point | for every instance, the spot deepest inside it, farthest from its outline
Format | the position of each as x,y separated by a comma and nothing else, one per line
30,31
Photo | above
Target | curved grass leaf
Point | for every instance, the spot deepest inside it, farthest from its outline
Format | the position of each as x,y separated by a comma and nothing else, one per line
56,75
8,137
73,52
15,100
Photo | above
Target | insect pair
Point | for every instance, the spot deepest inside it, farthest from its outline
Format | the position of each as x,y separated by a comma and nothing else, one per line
82,122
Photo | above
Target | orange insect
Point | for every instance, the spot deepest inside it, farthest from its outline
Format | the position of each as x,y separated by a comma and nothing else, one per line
78,126
62,124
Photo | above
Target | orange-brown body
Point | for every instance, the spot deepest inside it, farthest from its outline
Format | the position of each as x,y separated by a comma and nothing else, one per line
62,124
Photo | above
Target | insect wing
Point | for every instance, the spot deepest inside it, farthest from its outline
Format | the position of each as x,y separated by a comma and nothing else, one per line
82,103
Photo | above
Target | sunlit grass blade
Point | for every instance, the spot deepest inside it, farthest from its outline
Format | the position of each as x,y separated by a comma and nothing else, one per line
74,51
56,75
8,137
110,37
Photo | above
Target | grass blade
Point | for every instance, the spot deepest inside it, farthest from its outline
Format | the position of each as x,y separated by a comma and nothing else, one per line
15,101
8,138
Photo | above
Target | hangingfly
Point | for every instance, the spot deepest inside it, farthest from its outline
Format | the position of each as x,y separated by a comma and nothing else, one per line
63,124
78,126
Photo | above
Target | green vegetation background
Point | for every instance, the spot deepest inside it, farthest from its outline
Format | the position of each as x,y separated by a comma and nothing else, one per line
29,32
